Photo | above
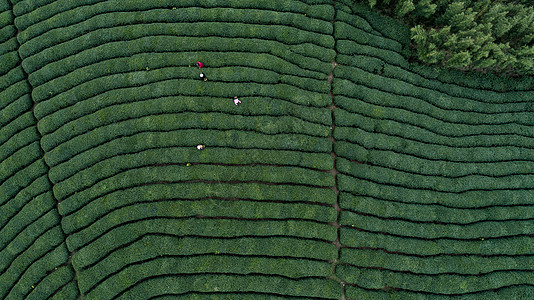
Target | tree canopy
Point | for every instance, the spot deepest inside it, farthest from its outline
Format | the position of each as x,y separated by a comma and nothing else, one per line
482,35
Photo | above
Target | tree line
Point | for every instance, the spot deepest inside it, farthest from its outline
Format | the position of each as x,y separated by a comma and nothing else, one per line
494,36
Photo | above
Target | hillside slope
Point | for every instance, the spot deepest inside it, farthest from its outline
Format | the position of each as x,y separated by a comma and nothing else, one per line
344,173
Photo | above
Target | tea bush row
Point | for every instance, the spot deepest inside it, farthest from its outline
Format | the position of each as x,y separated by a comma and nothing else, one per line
96,110
425,95
432,212
384,26
187,85
99,145
294,175
229,22
96,16
91,251
387,176
248,77
344,31
305,58
80,209
364,57
379,140
32,246
466,199
443,284
488,95
282,36
520,291
184,155
438,265
154,245
286,268
59,77
449,128
179,173
428,136
347,16
510,246
210,208
28,15
184,120
255,285
430,230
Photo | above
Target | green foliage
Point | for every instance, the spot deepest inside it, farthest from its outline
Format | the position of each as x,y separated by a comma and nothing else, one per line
209,208
94,250
388,27
468,199
389,292
109,144
521,245
206,283
208,263
100,14
471,35
177,173
152,245
32,285
103,109
68,291
189,120
435,168
404,7
387,92
430,230
44,49
69,10
93,205
436,265
424,8
344,31
446,284
417,165
99,164
428,213
433,183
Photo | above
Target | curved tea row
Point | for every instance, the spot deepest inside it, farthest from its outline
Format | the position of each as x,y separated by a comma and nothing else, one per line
33,254
435,177
121,109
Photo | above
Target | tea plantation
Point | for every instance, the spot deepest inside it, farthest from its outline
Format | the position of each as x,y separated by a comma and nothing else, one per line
344,173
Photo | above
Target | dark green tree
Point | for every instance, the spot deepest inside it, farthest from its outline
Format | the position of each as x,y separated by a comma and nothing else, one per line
482,35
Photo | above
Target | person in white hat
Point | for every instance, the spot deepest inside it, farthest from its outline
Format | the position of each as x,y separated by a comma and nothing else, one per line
236,101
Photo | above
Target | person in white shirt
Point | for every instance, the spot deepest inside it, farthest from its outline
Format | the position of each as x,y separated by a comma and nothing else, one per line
236,101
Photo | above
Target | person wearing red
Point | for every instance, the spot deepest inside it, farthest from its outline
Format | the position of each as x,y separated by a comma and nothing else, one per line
199,64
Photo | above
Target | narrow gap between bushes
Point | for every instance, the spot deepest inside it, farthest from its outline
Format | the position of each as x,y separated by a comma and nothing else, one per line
26,76
334,170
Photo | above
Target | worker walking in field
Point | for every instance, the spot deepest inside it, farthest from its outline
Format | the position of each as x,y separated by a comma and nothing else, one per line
236,101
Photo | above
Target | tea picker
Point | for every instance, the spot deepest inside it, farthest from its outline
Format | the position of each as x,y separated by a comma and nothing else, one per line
236,101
